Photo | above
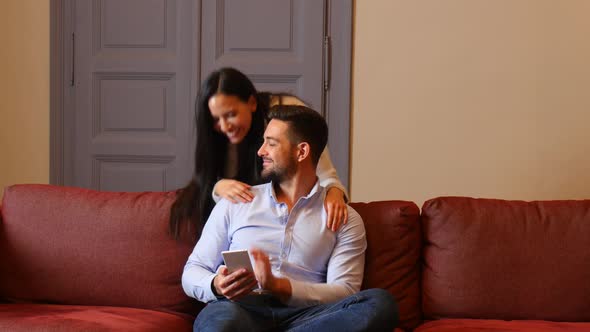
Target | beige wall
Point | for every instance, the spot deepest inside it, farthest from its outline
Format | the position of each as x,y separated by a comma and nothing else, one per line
24,92
474,98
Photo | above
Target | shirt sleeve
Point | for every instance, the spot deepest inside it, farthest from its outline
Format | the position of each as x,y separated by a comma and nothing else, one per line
202,264
326,172
345,268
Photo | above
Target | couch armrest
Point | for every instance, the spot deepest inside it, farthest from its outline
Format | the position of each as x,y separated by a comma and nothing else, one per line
394,243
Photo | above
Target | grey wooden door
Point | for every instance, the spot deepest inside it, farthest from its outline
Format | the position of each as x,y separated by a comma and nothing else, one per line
277,43
133,106
138,64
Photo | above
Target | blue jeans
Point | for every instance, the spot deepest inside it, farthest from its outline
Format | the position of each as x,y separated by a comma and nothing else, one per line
368,310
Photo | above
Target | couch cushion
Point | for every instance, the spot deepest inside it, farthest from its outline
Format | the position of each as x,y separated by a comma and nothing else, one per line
75,246
496,259
39,317
393,253
478,325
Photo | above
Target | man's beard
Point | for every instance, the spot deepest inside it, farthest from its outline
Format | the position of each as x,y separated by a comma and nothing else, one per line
278,174
272,176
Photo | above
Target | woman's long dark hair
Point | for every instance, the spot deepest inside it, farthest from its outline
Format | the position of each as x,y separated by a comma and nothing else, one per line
194,202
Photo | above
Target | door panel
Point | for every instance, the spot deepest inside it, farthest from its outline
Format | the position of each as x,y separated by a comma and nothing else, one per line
132,100
277,43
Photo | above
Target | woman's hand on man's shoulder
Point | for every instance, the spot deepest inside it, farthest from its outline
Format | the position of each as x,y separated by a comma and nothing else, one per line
234,191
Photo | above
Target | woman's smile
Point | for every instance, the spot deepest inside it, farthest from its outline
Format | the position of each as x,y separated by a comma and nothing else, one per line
232,116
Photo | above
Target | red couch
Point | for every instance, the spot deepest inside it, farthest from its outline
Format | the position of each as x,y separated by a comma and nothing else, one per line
75,259
472,264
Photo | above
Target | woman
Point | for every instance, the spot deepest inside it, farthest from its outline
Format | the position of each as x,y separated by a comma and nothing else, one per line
230,123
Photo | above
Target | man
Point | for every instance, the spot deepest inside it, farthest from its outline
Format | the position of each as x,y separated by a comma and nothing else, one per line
311,276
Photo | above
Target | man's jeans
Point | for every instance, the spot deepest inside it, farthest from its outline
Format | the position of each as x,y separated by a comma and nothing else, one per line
368,310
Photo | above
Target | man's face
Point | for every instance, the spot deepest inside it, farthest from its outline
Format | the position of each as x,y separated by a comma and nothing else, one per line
279,155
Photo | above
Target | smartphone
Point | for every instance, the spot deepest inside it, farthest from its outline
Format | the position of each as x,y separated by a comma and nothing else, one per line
237,259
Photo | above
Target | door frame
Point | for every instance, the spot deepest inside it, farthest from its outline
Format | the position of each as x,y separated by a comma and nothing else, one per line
337,111
57,53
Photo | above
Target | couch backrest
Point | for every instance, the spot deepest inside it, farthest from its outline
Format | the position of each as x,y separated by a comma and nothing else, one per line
75,246
393,254
496,259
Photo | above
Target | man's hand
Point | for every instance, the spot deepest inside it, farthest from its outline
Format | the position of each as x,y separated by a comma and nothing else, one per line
280,287
234,285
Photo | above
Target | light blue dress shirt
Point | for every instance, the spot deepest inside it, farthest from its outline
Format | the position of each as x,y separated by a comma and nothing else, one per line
323,266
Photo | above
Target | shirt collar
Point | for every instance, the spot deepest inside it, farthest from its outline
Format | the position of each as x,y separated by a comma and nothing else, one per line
317,189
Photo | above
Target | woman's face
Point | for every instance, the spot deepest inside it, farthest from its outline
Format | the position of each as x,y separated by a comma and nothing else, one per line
231,116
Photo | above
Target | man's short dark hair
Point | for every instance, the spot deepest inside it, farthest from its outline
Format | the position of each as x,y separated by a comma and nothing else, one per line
305,125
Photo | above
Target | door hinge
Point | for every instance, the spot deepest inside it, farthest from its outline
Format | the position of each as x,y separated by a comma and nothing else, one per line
327,63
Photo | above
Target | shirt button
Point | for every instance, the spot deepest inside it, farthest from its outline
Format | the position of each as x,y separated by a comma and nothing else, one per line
283,255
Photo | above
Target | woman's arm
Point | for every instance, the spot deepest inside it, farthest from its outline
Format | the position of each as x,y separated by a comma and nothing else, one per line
327,175
336,197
